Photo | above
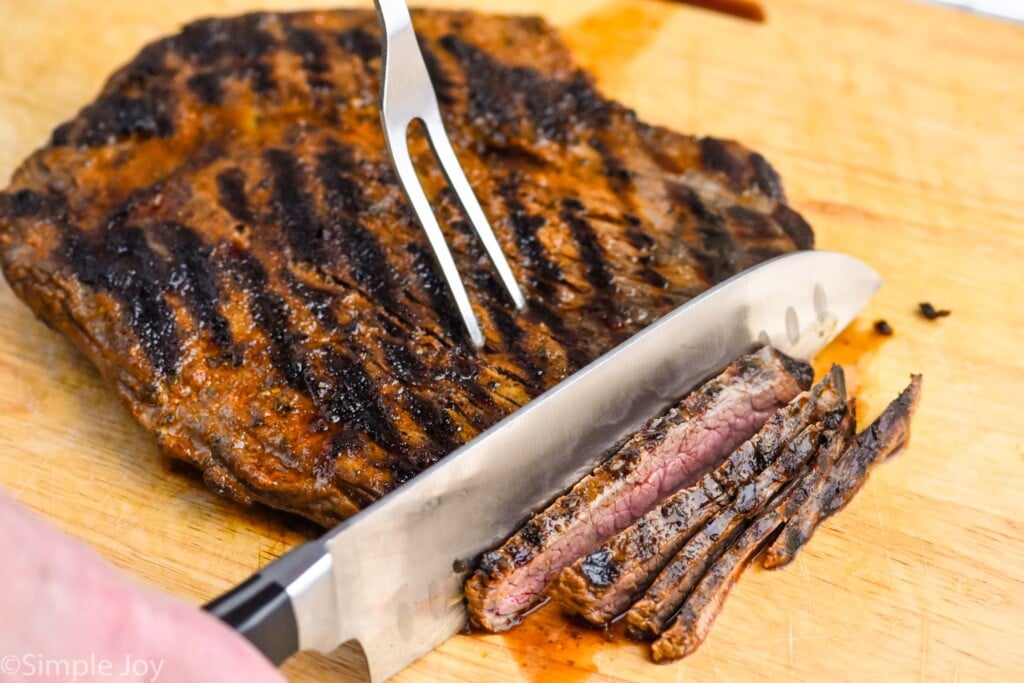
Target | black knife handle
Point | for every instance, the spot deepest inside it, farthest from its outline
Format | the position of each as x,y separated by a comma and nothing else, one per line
261,611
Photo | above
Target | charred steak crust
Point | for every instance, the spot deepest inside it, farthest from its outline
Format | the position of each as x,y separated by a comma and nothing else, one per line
221,233
826,490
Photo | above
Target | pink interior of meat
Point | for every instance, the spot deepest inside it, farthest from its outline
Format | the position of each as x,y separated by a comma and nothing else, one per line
685,453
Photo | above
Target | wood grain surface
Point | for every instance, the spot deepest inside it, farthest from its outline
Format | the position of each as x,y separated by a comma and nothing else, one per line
898,129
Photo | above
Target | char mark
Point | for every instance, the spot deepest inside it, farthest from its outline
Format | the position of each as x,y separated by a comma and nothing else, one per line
436,424
207,87
359,42
795,226
499,96
191,276
293,207
440,300
211,41
27,203
597,271
524,229
443,85
348,395
271,314
231,194
620,178
716,252
353,397
577,348
305,44
766,179
118,261
367,259
716,156
117,116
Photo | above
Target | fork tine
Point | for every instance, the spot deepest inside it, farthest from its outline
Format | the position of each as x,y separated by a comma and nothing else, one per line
449,162
399,151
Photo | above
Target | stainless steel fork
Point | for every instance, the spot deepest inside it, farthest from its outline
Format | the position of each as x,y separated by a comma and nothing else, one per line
407,95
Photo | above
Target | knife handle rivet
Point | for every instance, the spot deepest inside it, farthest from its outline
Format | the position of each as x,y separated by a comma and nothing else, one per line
792,325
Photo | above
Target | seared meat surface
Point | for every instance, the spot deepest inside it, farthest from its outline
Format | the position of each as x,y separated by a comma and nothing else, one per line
825,491
702,607
222,235
669,452
652,611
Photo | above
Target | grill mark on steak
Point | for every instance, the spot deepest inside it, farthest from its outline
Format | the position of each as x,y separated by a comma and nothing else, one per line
207,87
361,43
368,264
118,261
233,90
397,359
620,178
499,96
306,45
714,249
293,207
438,77
524,227
794,225
700,610
590,250
351,398
269,311
225,49
766,179
191,276
436,289
231,194
208,42
120,116
435,423
668,452
661,600
605,583
825,492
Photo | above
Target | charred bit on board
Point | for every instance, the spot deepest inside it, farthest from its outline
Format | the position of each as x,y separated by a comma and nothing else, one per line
931,313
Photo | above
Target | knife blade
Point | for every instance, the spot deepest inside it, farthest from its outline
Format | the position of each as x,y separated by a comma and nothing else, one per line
390,578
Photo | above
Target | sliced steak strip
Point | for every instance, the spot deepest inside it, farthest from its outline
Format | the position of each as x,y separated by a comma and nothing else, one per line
669,452
821,496
702,607
647,618
606,582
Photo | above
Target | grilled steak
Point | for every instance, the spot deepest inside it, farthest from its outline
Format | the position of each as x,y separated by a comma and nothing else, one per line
702,607
650,614
606,582
823,494
221,233
670,451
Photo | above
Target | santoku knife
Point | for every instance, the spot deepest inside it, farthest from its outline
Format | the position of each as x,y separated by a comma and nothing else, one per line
390,577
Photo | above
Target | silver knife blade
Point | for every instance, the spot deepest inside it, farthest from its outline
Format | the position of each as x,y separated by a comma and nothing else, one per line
391,577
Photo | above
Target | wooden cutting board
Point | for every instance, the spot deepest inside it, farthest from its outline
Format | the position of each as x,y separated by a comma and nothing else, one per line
899,131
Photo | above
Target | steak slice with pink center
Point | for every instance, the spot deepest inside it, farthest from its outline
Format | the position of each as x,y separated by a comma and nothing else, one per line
670,452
